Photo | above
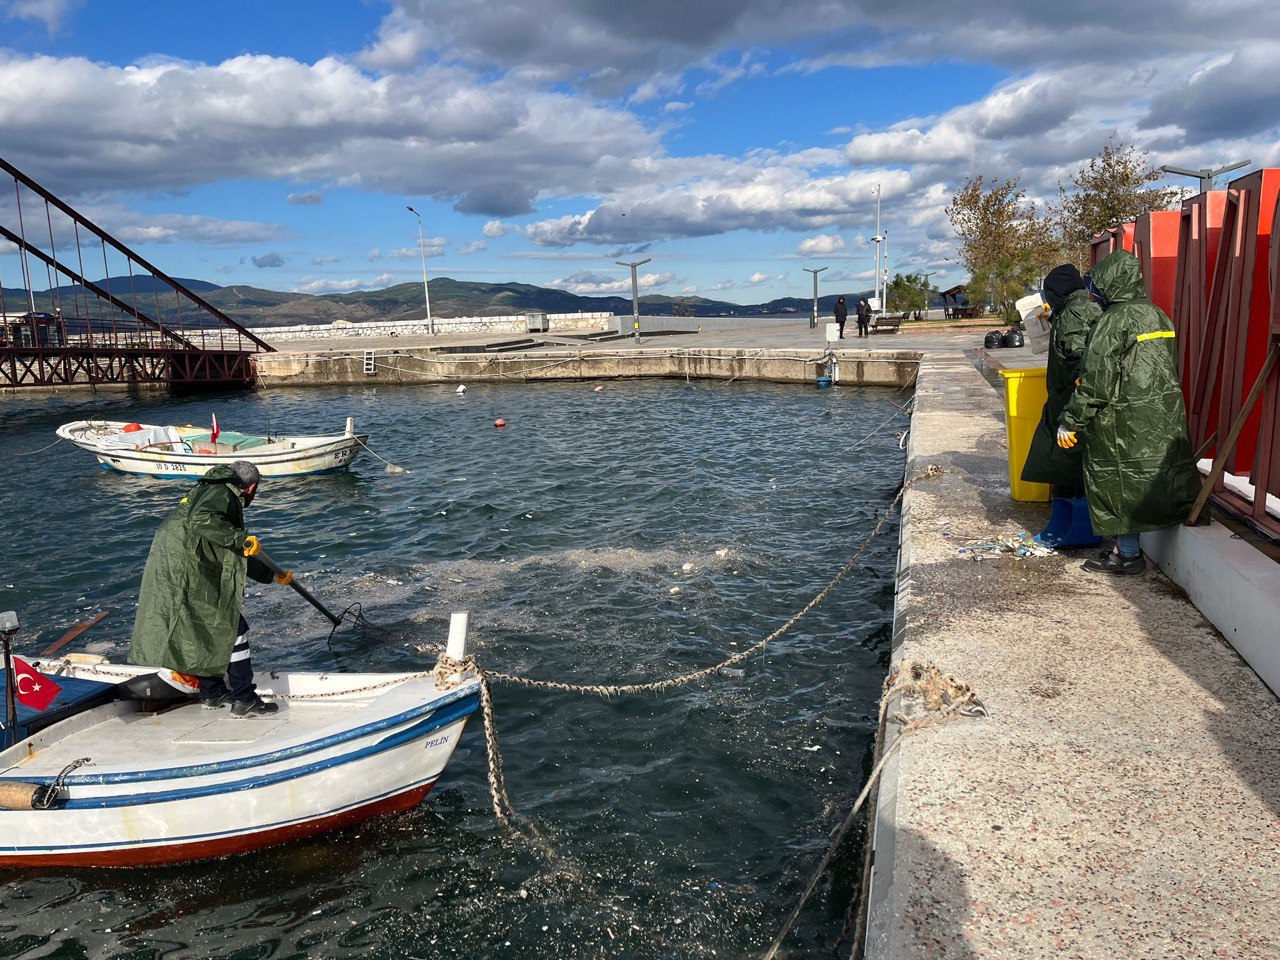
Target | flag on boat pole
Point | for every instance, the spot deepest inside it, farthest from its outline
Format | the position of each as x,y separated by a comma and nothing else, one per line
214,431
31,687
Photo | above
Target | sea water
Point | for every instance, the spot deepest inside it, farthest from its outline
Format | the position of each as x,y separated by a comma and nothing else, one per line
625,535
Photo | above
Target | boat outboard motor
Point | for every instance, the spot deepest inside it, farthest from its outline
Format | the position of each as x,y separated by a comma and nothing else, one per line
993,340
1014,338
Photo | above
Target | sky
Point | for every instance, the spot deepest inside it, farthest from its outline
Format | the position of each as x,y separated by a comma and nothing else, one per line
734,142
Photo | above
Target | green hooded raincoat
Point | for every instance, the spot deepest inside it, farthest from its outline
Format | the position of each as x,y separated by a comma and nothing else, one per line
193,583
1046,461
1138,470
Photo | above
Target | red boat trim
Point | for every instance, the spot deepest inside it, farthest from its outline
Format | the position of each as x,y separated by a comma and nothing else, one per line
224,846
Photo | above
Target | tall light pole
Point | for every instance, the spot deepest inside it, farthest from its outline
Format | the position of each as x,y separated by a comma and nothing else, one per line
422,249
1207,175
635,292
813,321
878,238
884,303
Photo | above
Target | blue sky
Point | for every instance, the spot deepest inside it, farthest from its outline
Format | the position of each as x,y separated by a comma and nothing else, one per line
734,142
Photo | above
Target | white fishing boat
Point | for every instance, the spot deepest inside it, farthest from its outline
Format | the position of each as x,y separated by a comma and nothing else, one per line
167,451
107,777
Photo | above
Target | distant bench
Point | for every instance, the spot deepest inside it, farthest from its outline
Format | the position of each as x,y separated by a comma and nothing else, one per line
888,323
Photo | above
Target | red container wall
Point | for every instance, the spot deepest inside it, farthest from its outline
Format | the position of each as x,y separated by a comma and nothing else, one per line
1241,303
1110,240
1198,240
1155,244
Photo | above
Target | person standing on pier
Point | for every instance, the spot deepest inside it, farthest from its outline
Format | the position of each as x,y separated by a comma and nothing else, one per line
864,318
189,611
1138,470
841,312
1074,315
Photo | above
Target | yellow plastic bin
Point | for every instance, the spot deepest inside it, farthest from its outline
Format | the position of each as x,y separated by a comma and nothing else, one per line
1024,396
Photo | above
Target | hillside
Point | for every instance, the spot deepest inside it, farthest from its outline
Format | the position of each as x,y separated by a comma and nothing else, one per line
257,307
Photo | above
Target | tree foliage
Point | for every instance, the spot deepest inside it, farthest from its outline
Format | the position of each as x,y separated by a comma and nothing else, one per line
909,292
682,308
1113,187
1005,243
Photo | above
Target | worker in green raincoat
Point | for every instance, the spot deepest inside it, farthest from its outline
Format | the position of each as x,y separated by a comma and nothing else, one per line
189,618
1138,469
1073,316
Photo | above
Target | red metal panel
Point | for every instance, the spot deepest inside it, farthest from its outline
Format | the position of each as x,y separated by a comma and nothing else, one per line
1198,240
1155,244
1245,305
1110,240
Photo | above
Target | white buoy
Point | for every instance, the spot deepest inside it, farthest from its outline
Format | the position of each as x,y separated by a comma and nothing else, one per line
462,388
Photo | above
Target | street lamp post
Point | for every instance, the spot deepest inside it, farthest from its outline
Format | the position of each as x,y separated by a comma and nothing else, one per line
1207,175
422,249
635,292
884,302
813,320
878,238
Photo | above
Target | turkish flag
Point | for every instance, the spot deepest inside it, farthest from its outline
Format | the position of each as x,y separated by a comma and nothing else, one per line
214,431
33,688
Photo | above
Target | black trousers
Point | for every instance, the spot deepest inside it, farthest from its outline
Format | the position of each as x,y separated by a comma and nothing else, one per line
863,328
238,680
841,324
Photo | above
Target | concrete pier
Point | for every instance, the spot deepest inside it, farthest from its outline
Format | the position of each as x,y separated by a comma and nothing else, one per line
1123,798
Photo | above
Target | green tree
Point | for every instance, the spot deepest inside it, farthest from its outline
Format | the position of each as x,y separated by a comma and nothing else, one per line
909,292
1113,187
1005,243
682,308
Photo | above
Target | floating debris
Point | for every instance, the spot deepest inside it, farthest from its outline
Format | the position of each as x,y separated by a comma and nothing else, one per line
462,388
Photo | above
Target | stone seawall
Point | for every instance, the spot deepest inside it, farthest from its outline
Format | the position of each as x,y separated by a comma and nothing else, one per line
513,323
333,368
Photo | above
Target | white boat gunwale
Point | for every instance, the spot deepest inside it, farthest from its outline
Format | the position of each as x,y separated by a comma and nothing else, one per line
426,711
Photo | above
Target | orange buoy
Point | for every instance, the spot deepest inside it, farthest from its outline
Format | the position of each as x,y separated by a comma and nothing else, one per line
499,424
131,428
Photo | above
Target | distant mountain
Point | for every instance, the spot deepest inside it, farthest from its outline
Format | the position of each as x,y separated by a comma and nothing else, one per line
256,307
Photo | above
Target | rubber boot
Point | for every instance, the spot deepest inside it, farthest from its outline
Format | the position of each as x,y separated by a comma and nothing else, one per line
1059,523
1079,531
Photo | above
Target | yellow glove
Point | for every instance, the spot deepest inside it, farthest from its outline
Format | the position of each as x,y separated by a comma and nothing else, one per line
285,577
1066,438
251,546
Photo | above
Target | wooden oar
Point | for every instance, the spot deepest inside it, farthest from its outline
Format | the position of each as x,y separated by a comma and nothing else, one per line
73,633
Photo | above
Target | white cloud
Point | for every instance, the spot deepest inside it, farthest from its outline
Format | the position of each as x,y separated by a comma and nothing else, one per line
433,245
821,245
52,13
138,228
312,198
596,283
476,246
676,106
489,145
759,279
312,285
495,229
321,261
268,261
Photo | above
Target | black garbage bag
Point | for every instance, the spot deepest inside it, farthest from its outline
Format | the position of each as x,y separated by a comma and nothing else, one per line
993,340
1014,338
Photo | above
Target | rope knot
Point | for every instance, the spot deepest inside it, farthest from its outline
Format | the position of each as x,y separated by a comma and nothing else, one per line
449,673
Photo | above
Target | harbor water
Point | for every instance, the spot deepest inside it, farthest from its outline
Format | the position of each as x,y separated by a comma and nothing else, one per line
619,536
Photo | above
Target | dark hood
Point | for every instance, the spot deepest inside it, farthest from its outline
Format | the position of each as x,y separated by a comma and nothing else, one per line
1061,283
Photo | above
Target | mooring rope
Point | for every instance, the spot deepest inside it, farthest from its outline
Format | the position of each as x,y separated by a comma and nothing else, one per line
32,453
944,698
